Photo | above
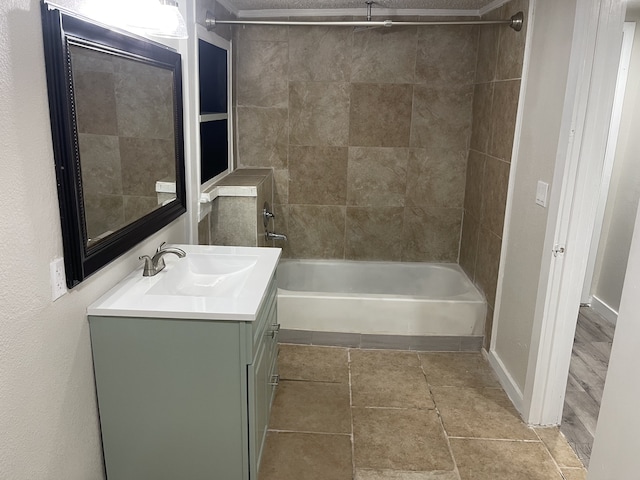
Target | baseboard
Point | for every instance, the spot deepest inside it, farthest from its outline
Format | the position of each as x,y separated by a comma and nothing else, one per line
506,380
604,310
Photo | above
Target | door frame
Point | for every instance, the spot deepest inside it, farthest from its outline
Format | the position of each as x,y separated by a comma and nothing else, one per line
628,33
591,84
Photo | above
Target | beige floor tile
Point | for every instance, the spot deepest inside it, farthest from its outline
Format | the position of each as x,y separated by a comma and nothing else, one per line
362,474
480,413
403,387
458,370
398,439
560,449
320,364
306,456
499,459
574,473
311,407
383,358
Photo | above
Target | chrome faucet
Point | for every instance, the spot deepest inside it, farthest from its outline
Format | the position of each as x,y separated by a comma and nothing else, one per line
154,265
275,236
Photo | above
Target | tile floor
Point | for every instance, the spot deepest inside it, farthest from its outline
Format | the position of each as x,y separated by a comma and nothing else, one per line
344,413
587,373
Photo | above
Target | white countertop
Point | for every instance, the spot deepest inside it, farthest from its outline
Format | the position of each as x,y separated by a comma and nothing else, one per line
131,297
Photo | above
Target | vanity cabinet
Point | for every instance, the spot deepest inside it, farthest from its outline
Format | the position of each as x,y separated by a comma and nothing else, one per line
185,399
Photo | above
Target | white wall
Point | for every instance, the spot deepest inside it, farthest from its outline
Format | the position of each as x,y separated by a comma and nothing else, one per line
624,191
615,449
48,414
544,93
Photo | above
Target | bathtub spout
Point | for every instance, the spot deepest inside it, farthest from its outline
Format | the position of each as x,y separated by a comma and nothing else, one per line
275,236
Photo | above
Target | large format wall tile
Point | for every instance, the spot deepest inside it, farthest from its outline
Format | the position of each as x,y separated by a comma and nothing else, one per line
435,178
496,182
401,100
499,67
446,55
442,117
487,53
481,125
316,231
384,55
318,175
511,48
487,263
281,186
377,176
503,125
263,137
474,183
374,233
262,74
469,245
320,54
431,234
380,115
311,105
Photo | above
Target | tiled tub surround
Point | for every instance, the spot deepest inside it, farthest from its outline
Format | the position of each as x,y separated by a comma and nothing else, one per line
342,414
424,302
367,132
495,103
237,202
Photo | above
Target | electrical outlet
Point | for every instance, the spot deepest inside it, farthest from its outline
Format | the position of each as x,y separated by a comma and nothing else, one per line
58,282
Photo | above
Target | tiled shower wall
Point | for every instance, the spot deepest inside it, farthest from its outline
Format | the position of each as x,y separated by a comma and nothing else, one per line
368,134
495,103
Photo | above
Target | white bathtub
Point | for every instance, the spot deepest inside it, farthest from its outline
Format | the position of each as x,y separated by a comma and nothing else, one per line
386,298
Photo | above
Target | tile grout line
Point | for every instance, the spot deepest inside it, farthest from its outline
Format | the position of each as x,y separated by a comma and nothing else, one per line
553,458
353,439
437,410
512,440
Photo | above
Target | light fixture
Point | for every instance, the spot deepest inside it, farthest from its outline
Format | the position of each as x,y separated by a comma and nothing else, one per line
160,18
168,20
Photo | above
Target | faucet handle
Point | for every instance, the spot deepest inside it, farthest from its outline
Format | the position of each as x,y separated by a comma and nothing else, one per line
148,265
159,249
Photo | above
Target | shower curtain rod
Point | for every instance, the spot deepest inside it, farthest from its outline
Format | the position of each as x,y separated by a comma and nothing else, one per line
515,22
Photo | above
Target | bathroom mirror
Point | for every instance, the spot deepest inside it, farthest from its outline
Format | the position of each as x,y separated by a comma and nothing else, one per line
115,103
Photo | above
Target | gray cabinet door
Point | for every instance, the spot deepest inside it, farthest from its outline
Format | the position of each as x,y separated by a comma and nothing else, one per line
171,396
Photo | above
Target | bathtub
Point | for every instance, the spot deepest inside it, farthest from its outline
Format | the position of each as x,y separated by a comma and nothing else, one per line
383,298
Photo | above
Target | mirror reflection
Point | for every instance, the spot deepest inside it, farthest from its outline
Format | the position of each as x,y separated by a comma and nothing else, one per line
125,124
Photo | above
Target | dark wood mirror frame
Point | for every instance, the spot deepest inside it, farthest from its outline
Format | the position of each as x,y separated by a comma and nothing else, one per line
62,29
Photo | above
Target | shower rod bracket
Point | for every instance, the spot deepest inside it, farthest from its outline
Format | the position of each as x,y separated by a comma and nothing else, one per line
516,22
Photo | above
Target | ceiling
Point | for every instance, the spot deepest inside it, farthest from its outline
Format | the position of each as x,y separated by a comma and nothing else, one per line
244,5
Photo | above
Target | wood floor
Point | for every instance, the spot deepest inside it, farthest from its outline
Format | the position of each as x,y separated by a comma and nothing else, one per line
587,372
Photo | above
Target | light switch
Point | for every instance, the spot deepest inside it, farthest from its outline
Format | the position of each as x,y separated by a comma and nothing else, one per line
541,193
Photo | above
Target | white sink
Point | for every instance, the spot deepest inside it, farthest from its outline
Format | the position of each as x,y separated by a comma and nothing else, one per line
211,282
206,275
